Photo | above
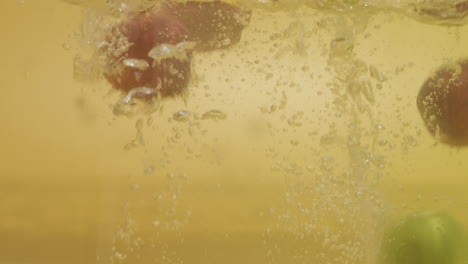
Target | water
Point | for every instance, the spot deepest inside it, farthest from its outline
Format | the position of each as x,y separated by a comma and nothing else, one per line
295,145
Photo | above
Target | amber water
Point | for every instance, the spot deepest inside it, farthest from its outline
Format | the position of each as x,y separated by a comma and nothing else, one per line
297,145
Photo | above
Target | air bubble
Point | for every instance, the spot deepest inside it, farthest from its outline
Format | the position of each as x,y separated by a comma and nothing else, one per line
214,115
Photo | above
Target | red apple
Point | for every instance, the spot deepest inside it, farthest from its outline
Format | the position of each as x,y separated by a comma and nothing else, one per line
133,59
443,103
149,53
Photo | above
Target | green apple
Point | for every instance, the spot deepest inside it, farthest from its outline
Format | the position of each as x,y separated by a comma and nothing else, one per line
425,238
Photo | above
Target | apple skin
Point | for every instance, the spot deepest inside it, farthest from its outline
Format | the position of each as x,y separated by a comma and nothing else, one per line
443,103
425,238
208,25
142,32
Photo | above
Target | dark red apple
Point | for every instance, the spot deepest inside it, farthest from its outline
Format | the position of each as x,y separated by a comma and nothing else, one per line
149,53
443,103
147,50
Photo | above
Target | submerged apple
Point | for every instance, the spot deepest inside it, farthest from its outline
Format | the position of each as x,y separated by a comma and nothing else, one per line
443,103
425,238
148,50
149,53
